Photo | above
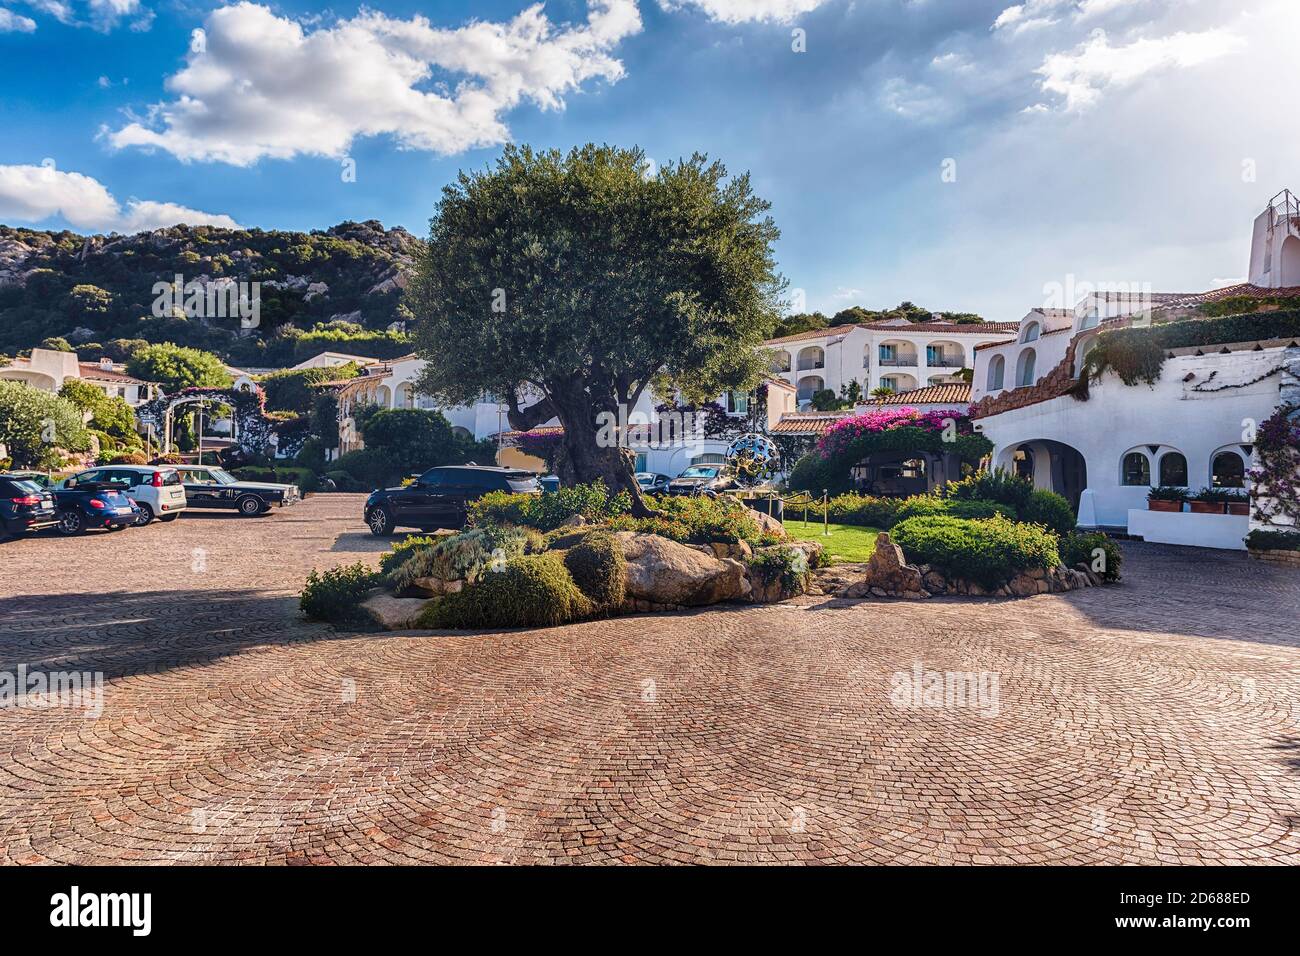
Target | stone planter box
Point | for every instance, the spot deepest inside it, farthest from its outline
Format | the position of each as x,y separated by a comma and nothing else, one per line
1154,504
1291,558
1197,530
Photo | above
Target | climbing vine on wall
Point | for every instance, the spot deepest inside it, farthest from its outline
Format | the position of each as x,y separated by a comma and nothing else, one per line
1276,490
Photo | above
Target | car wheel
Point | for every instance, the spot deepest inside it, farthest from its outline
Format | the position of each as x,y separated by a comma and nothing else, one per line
71,522
168,517
250,506
380,521
146,515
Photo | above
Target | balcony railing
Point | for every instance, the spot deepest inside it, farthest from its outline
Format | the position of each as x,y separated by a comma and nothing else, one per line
811,366
901,361
946,361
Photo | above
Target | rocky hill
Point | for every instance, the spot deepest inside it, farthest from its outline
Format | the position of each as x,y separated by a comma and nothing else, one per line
338,289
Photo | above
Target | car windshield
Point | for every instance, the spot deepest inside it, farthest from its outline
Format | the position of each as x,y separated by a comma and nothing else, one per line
698,472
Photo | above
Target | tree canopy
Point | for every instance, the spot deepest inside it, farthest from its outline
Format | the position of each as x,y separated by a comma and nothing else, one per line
176,367
580,278
35,424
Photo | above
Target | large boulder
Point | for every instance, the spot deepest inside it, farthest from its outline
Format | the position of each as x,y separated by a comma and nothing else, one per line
663,572
888,574
393,613
766,523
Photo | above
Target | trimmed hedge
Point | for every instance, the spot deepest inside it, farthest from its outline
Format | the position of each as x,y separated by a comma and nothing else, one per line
533,590
1261,540
1082,549
1050,510
598,567
1002,486
695,519
989,552
335,595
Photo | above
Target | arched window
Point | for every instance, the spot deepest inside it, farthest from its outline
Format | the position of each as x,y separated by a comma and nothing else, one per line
1173,469
1228,470
1025,368
997,372
1135,469
1031,332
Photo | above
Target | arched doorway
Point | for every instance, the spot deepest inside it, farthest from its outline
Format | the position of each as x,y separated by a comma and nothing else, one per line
1051,464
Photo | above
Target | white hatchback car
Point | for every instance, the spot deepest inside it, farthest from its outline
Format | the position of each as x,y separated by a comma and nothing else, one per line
157,491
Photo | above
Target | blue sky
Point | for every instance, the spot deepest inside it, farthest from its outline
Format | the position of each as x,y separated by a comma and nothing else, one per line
964,154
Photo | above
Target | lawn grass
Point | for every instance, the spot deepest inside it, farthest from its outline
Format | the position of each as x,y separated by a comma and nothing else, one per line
846,542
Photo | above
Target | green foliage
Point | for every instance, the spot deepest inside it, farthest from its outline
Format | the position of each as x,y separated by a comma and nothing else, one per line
550,510
1082,548
1000,485
1221,495
825,400
401,550
335,595
866,511
695,519
365,468
175,367
323,421
35,424
989,552
1050,510
782,563
127,458
1137,355
533,590
466,556
343,481
292,390
409,440
598,567
1167,493
1261,540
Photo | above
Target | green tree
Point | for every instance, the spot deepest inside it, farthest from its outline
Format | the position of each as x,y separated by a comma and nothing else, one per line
292,390
410,439
800,322
34,425
108,414
582,278
175,367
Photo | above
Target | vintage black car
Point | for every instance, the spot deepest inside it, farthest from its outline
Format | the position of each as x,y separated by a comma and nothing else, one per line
25,506
208,487
652,483
83,506
440,497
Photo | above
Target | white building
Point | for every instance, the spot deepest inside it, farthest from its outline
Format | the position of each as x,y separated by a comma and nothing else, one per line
48,369
896,354
1191,429
332,360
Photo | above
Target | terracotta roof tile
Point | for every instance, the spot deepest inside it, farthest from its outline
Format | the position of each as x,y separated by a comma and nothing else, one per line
951,393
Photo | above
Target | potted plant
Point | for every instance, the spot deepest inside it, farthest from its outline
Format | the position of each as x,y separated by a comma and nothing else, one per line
1210,501
1165,498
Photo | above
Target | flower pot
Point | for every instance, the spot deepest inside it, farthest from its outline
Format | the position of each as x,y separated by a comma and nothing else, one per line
1239,508
1158,504
1207,507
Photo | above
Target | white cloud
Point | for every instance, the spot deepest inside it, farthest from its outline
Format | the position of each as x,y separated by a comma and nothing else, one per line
912,100
268,86
102,15
11,22
747,11
1028,15
1083,75
36,193
953,62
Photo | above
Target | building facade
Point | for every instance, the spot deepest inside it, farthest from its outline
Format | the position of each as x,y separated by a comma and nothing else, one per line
48,369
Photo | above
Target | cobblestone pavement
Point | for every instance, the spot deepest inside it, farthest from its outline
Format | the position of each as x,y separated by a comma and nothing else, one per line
1158,721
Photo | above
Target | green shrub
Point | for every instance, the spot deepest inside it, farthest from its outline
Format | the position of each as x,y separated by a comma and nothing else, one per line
345,482
401,550
976,508
1050,510
304,478
550,510
128,458
1082,548
785,564
1261,540
467,556
366,466
599,569
863,511
989,552
335,595
533,590
695,519
1001,486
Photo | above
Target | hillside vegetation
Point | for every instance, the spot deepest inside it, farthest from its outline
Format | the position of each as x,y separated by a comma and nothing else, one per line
336,289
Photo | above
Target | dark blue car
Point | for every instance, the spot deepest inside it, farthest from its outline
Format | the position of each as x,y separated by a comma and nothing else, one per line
94,504
25,506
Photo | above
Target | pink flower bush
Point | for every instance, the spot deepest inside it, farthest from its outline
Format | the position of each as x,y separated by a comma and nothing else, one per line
847,430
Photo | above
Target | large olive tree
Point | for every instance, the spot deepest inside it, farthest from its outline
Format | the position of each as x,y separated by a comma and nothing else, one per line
578,279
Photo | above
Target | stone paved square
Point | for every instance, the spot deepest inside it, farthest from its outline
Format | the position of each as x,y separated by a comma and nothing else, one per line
1155,722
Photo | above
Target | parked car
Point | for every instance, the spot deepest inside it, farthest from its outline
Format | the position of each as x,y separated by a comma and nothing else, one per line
25,506
39,478
208,487
652,483
440,497
94,504
549,482
702,480
157,492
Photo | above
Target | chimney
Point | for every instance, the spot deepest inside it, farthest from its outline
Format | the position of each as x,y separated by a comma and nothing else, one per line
106,363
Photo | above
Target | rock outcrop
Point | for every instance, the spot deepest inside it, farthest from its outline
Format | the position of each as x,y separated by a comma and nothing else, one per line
888,574
662,572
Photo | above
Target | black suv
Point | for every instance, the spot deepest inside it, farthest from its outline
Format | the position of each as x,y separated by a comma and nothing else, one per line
440,497
24,506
